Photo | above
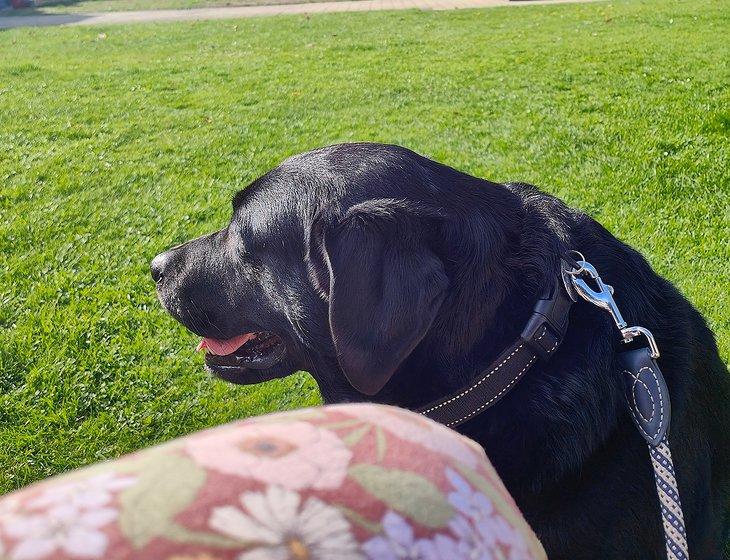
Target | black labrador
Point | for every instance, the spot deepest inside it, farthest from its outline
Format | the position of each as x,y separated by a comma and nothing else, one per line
395,279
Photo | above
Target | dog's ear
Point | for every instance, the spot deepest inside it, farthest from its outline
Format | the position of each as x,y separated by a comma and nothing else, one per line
385,288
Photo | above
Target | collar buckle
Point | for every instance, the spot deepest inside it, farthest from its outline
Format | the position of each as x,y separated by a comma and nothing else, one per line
548,323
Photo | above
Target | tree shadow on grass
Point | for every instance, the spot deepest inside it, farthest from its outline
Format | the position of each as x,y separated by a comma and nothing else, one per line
38,9
40,4
35,17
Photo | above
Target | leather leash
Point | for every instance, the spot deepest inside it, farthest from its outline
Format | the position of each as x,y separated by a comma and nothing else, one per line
647,395
646,391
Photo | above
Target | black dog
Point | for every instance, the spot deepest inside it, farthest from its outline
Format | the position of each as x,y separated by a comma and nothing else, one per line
395,279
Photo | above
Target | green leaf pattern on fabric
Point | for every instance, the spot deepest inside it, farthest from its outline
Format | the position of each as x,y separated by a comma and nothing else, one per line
354,437
405,492
167,484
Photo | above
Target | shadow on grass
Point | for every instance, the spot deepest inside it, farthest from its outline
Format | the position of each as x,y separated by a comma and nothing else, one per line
34,17
48,3
37,10
40,4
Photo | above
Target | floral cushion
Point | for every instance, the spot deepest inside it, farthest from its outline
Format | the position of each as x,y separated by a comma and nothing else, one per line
341,482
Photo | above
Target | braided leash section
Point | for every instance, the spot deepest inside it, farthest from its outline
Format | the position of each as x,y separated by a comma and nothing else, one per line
675,536
646,387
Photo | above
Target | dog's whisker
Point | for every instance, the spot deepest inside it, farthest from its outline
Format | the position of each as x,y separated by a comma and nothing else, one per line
207,318
193,319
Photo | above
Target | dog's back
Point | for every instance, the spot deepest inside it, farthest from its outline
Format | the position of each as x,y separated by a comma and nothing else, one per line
699,434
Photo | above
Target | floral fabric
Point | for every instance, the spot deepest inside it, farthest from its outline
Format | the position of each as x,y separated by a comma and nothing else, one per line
347,482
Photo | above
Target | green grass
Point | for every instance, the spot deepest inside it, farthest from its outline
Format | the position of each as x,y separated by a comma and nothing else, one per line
87,6
112,150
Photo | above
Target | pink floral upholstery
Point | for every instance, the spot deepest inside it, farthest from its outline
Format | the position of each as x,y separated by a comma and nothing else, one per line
334,483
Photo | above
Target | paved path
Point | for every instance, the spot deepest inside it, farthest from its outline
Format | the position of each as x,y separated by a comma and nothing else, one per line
112,18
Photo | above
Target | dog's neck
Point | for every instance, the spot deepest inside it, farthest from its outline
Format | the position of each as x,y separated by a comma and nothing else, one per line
495,284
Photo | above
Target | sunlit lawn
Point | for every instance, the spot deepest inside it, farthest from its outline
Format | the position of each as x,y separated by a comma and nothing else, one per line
114,149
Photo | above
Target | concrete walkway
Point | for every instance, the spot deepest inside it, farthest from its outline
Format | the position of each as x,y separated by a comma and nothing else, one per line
113,18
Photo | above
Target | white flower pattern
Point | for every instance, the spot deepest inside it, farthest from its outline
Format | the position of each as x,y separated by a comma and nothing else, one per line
278,526
64,527
66,518
92,492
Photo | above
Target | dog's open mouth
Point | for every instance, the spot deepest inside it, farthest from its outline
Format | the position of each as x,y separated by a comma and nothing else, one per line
245,358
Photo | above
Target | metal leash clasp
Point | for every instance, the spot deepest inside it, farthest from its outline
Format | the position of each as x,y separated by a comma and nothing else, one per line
603,298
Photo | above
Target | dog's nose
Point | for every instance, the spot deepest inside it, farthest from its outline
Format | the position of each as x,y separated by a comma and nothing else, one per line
157,267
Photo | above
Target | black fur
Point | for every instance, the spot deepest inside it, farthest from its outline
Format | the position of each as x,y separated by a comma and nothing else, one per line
388,272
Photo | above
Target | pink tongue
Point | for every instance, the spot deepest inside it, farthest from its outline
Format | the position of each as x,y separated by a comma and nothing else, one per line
224,347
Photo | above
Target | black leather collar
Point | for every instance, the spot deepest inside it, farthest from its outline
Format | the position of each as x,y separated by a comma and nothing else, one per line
540,339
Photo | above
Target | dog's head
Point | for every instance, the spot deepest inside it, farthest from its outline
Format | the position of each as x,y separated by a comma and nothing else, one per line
339,262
